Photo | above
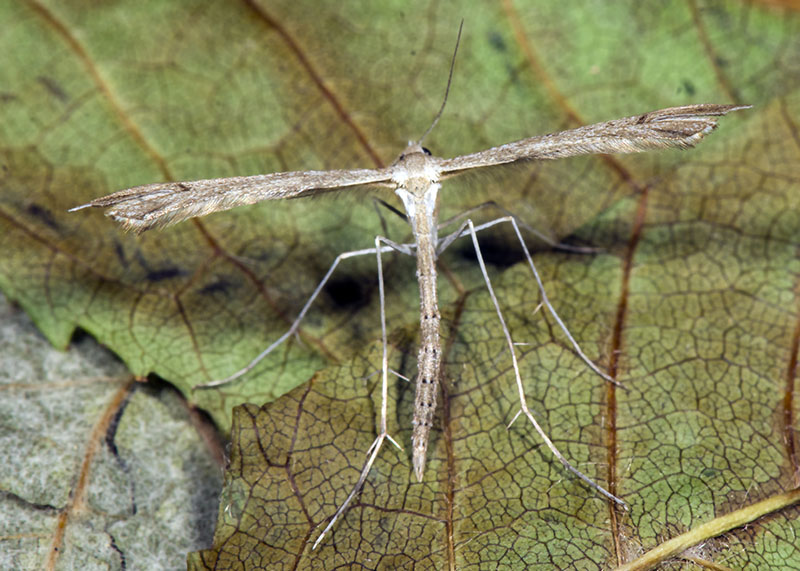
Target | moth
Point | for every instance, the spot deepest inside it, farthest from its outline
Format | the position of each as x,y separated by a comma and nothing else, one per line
415,177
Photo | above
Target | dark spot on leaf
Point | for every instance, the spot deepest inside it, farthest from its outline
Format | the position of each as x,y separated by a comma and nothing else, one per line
53,87
164,274
688,87
43,215
219,286
346,292
709,473
157,274
119,250
497,41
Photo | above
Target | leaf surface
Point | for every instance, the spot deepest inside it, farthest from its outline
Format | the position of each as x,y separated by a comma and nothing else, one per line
693,295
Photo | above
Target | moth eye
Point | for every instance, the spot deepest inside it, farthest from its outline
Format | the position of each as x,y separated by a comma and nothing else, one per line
426,151
402,157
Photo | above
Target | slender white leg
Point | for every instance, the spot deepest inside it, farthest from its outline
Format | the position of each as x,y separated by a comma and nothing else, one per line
508,214
520,388
383,434
405,248
463,231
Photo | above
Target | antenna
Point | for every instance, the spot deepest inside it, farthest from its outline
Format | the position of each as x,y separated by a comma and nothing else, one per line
447,89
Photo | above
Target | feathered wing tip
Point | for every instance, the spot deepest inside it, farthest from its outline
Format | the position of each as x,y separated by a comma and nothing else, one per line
145,207
685,126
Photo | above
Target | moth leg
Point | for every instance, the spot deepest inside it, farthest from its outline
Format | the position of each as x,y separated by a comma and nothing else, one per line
468,228
505,213
383,433
463,231
405,248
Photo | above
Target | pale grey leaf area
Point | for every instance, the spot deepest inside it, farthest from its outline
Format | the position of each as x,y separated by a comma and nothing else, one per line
115,465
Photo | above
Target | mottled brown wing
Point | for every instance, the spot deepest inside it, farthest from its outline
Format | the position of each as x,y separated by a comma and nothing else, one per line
156,205
672,127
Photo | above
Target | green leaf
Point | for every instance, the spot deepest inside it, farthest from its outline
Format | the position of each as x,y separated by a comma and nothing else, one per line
693,293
